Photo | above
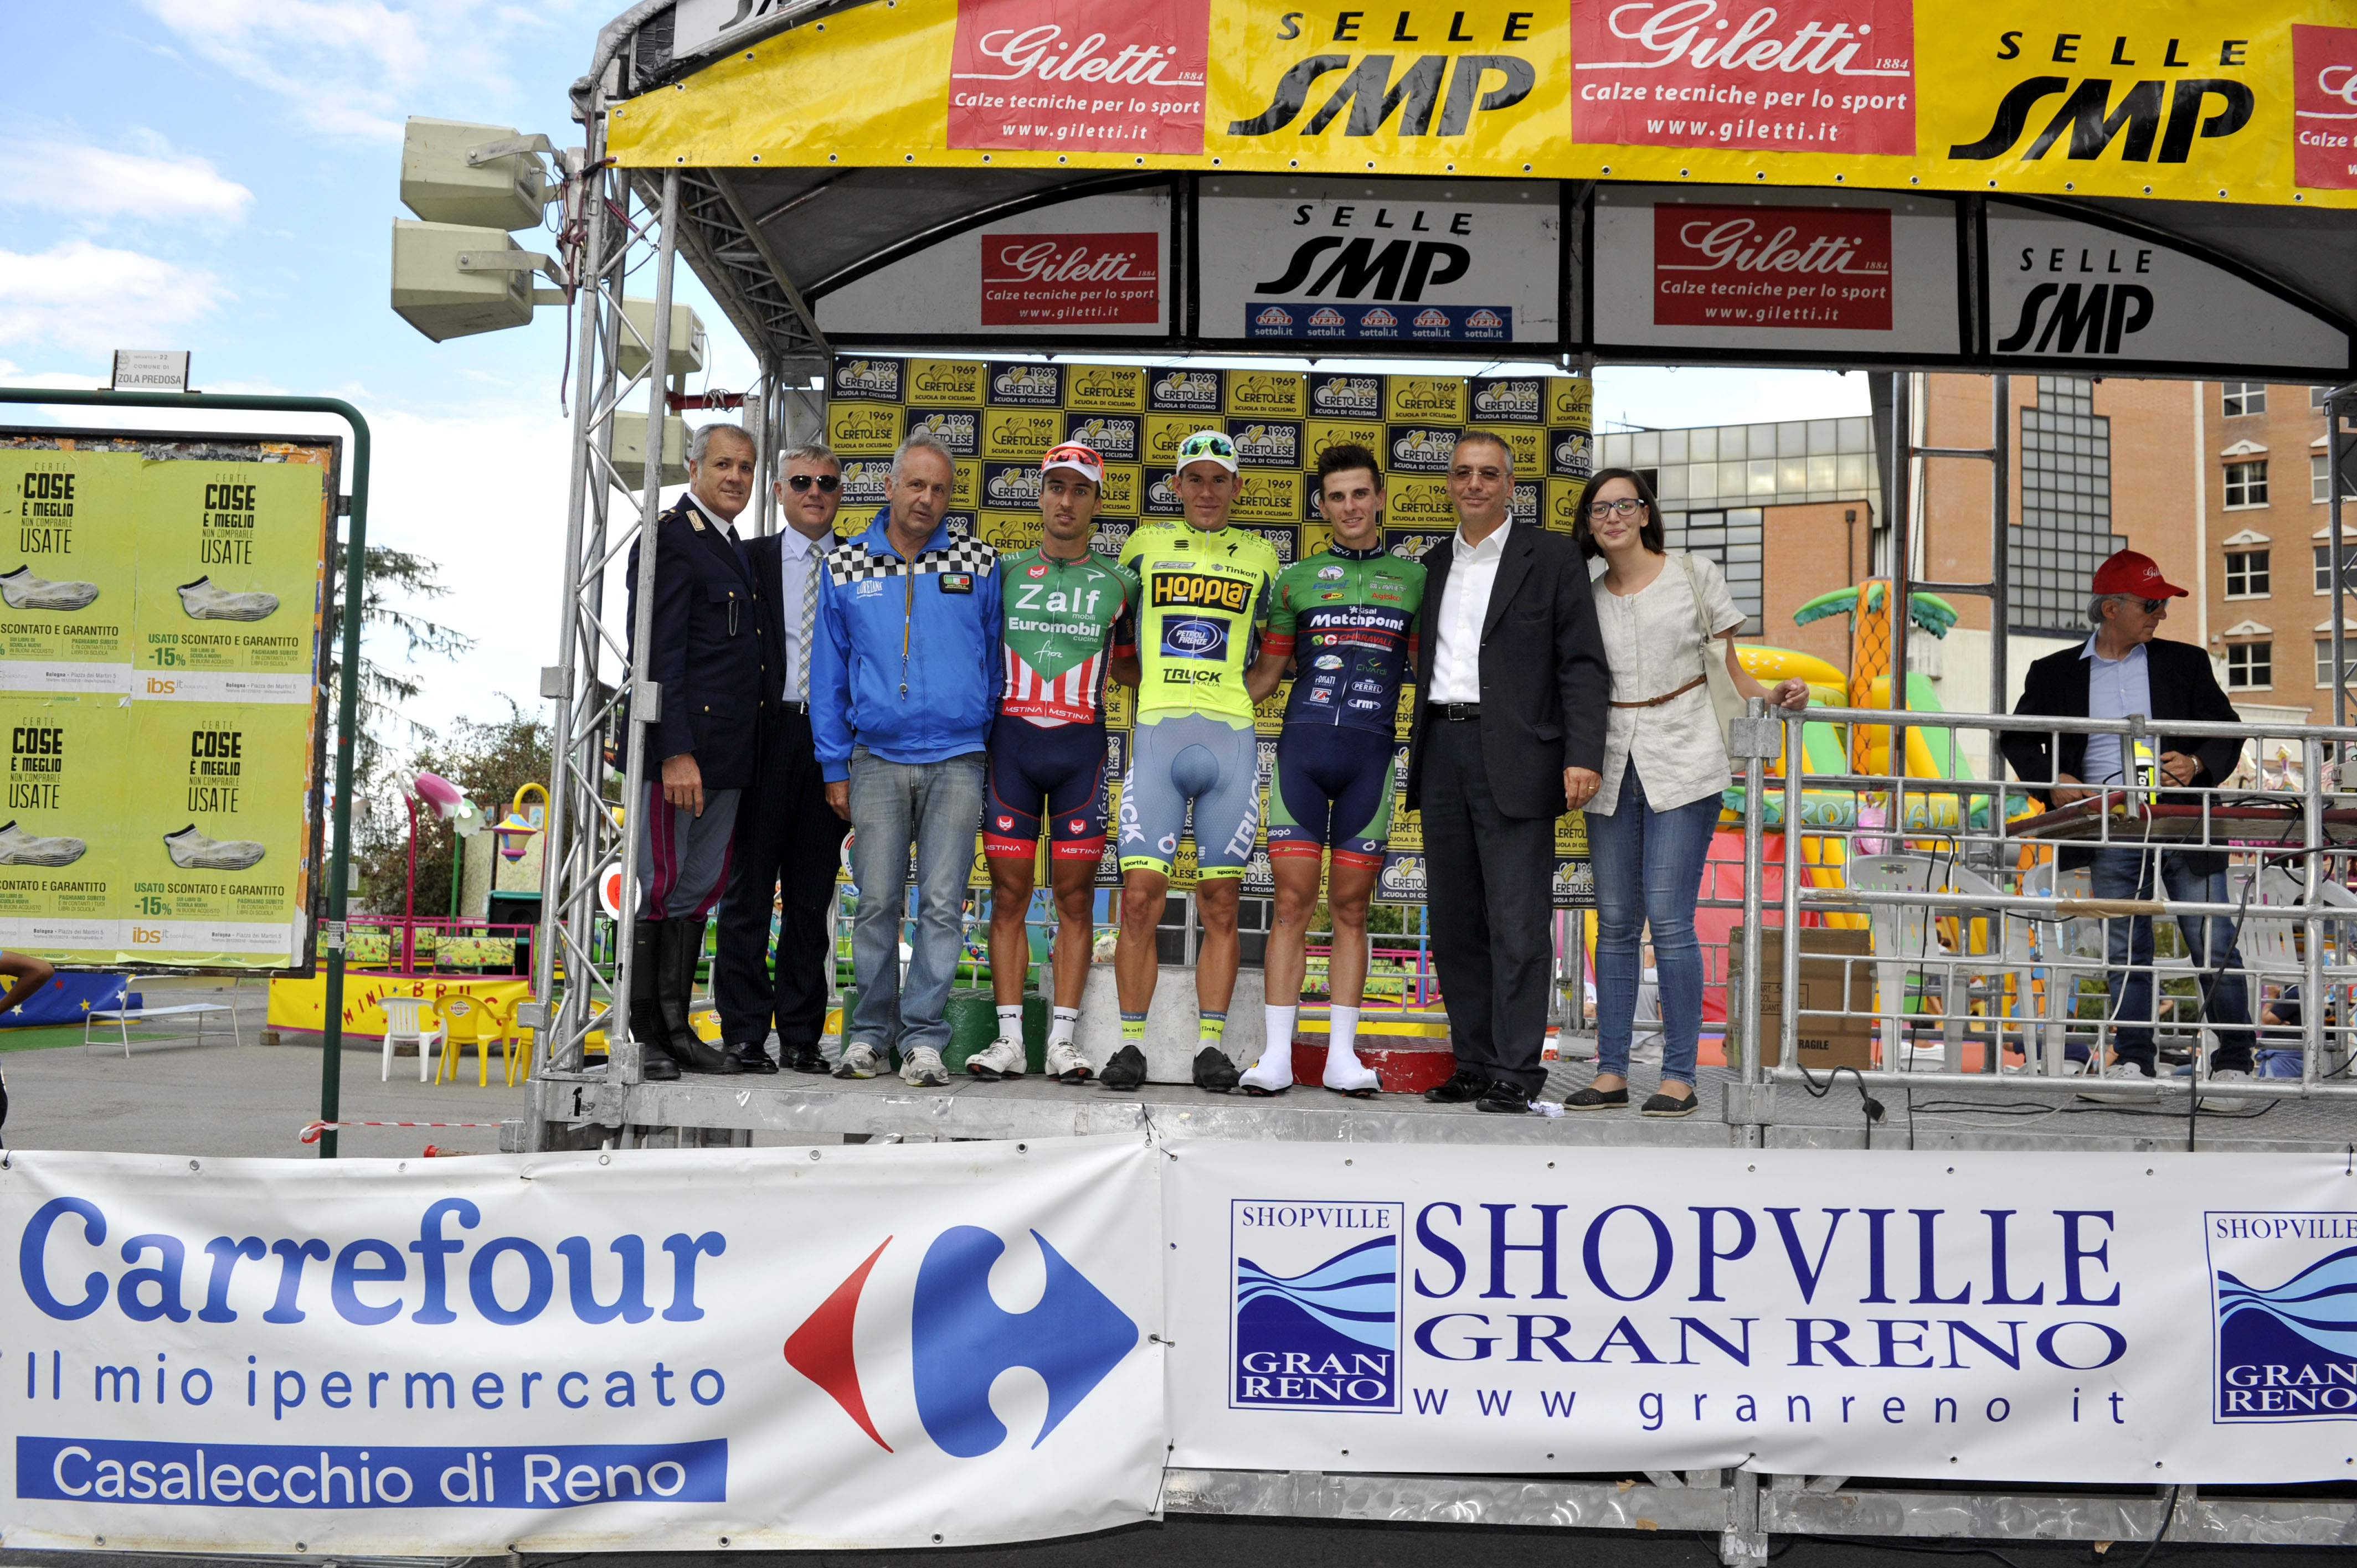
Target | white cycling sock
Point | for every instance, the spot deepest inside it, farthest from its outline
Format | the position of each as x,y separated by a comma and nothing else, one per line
1060,1028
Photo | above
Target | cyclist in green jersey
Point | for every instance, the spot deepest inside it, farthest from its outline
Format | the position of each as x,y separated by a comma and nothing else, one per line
1346,621
1204,594
1048,754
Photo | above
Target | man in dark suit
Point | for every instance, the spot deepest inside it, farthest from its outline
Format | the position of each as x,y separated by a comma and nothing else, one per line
785,832
706,654
1511,690
2120,671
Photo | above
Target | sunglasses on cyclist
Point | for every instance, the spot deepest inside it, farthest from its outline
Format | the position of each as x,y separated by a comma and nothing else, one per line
1625,506
826,482
1208,446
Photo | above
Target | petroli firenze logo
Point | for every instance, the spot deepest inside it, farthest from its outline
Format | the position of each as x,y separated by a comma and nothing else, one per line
1811,267
1046,75
1052,280
2324,106
1811,75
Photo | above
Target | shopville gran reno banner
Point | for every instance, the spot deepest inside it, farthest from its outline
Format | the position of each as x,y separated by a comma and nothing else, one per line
2169,99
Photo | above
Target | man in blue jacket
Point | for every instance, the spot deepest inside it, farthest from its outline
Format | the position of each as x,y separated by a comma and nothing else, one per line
904,680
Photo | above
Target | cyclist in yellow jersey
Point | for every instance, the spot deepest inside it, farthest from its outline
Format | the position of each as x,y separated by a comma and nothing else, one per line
1205,591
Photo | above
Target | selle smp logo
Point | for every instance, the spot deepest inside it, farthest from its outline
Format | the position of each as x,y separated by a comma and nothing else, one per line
1449,88
2284,1290
1313,1317
960,1339
2169,113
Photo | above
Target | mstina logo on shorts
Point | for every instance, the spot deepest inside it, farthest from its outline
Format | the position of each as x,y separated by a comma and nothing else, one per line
2284,1289
960,1339
1315,1316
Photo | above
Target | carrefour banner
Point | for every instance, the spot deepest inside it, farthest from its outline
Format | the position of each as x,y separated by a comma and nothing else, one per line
788,1348
2131,98
2077,1318
998,417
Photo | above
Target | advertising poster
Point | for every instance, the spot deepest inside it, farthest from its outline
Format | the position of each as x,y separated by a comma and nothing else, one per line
1010,411
159,650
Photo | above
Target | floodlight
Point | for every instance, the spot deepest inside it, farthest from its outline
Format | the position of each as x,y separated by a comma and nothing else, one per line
454,172
630,449
685,355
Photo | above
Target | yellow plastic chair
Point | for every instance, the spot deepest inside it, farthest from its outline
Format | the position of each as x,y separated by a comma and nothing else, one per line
463,1018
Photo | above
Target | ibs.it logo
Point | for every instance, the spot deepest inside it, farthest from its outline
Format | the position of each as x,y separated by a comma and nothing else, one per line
1314,1319
2284,1286
960,1339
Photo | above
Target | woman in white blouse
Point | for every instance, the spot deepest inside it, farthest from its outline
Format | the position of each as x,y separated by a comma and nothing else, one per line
1650,825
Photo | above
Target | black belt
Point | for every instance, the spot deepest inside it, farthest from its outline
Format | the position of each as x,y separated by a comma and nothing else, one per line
1458,713
801,708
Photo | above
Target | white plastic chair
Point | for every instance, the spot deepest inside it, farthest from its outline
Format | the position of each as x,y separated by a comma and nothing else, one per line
405,1020
1903,943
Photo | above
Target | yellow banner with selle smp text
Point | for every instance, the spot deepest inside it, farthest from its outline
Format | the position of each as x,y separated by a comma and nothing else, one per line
2185,100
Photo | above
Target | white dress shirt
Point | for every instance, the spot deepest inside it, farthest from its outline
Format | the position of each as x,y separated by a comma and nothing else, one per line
1465,605
794,552
2116,688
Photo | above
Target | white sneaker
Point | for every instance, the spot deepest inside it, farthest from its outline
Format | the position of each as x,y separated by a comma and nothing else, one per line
2210,1099
861,1061
1346,1074
1272,1074
1065,1063
24,591
2122,1073
205,601
193,851
1003,1060
32,849
922,1069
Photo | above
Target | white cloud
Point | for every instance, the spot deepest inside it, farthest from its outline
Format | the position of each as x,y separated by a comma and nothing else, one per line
60,176
91,298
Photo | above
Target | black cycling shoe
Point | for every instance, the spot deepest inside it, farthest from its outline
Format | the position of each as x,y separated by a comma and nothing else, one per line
1214,1071
1126,1070
1597,1098
1464,1084
805,1057
1507,1098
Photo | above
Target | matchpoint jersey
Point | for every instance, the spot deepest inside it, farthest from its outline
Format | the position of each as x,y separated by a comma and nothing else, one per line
1349,618
1202,597
1058,616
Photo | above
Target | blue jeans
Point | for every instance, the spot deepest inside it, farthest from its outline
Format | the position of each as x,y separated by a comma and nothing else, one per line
936,806
1648,869
2127,940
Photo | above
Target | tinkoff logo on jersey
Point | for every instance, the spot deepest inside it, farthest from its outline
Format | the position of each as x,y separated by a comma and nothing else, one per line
1010,484
1345,397
961,433
1033,386
1184,392
1422,448
880,380
1113,438
1509,400
2284,1299
1314,1316
1268,443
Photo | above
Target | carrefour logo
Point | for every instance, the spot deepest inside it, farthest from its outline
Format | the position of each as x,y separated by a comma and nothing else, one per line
960,1339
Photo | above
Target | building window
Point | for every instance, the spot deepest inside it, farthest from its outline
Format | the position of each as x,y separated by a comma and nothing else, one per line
2315,396
1732,538
2324,658
2065,529
2251,665
2246,484
2247,574
2319,478
2246,397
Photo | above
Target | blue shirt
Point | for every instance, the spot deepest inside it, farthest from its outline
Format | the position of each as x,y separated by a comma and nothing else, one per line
2115,689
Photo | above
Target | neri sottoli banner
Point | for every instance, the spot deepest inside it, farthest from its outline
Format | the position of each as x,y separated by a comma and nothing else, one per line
161,604
917,1345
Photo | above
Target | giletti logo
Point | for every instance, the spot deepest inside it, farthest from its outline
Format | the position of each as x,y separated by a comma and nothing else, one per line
960,1339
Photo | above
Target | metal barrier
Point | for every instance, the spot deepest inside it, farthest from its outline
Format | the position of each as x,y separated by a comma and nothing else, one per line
1979,934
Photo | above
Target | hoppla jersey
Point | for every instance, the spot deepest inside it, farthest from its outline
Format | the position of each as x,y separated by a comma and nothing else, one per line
1059,616
1202,598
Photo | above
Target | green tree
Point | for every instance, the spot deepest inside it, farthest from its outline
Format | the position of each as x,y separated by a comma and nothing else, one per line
487,761
393,583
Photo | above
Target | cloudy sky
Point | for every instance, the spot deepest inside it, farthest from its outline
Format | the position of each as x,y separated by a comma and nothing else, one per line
221,176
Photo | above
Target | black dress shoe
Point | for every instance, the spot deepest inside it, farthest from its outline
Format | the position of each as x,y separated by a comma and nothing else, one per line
1464,1084
804,1056
753,1055
1507,1098
655,1065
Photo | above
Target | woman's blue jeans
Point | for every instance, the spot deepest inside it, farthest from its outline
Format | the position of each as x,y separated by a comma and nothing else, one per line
1649,867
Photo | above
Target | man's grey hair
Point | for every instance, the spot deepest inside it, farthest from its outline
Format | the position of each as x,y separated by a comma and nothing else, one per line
1488,439
808,452
922,441
701,441
2095,605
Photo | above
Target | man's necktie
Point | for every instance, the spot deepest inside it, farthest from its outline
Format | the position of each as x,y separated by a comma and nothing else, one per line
809,619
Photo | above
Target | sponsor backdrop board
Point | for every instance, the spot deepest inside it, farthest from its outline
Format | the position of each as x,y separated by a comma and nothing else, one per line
161,633
805,1349
2126,98
1008,413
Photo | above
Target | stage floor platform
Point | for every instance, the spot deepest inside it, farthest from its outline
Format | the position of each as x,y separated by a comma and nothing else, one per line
1998,1117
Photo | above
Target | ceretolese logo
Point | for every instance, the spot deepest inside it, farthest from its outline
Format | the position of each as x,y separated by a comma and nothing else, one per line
960,1340
1046,75
1815,75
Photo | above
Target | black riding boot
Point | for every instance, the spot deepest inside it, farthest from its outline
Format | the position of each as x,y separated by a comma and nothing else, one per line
646,1012
682,944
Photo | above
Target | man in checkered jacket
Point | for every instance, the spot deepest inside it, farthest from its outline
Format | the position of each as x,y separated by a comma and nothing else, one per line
904,681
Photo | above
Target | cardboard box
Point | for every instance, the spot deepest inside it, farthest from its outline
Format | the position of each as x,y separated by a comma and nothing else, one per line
1824,1042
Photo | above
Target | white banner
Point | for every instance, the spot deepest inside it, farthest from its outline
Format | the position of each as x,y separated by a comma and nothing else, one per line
2094,1318
651,1351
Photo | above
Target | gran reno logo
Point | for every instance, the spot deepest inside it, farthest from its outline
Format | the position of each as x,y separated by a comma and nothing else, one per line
1204,590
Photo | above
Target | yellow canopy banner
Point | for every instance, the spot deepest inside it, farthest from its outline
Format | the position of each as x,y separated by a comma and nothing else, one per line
2169,99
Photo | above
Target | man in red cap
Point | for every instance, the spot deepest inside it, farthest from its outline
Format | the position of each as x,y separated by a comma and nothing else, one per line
2122,671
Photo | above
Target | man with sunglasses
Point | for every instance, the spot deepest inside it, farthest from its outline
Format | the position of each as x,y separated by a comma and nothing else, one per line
1059,605
786,837
1205,589
2123,670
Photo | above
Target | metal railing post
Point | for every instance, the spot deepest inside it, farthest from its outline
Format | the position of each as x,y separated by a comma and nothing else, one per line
1788,1014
